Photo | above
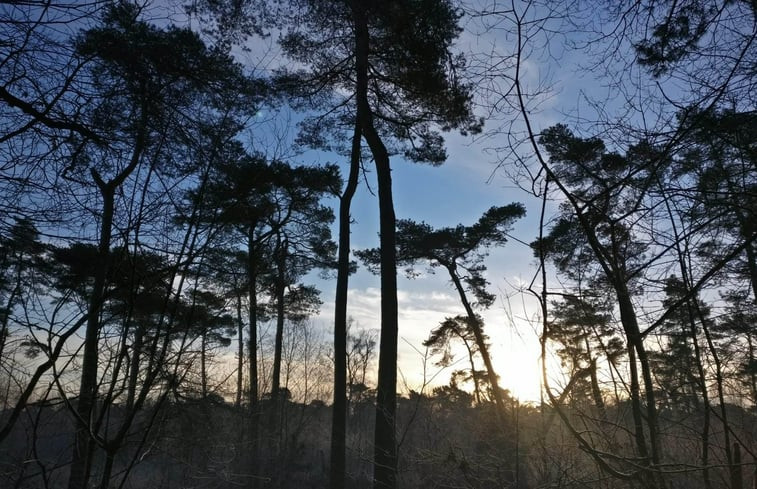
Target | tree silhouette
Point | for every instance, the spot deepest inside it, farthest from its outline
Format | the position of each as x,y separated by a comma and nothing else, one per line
583,328
401,80
440,341
20,254
460,251
146,81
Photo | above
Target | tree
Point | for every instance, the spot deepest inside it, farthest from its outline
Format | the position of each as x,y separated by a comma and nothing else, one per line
206,314
440,341
237,196
718,154
583,327
401,79
678,372
20,254
606,191
300,225
39,70
619,227
23,273
738,332
342,390
460,251
361,350
708,44
275,210
136,329
147,80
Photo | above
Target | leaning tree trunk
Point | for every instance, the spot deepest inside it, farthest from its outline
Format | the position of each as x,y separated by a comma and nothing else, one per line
478,334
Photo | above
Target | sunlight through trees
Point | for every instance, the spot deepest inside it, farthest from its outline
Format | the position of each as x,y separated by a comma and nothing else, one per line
194,197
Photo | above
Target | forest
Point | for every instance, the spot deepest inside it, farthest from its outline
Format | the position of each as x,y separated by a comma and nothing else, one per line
178,197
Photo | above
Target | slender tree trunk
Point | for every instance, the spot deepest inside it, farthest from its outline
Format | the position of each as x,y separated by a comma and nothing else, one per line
751,258
252,278
636,348
5,313
691,310
83,447
747,229
474,376
385,437
275,414
240,352
636,410
203,365
136,357
752,375
737,477
596,392
339,408
279,342
110,456
719,386
385,464
702,384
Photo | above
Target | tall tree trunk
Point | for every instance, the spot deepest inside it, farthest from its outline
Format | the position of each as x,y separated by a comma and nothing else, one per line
83,447
6,312
637,349
240,351
339,408
596,392
279,341
252,278
275,414
747,230
203,365
636,410
385,437
385,463
136,357
719,384
110,456
737,478
692,320
702,385
752,374
751,259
